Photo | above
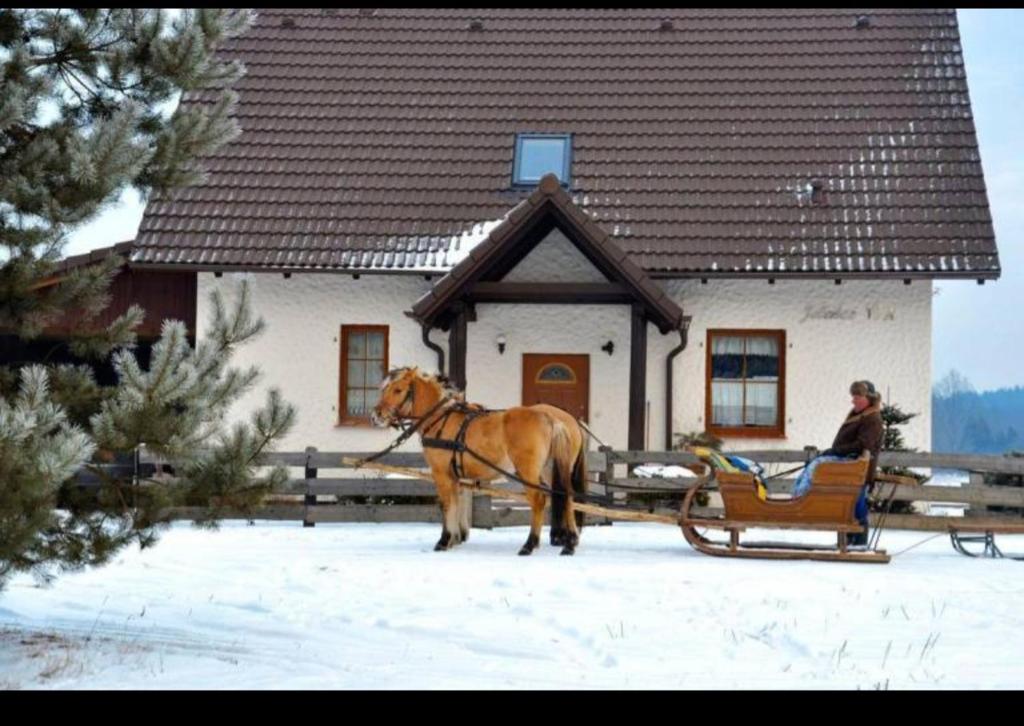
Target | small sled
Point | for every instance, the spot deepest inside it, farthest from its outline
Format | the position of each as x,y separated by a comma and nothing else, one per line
967,533
827,506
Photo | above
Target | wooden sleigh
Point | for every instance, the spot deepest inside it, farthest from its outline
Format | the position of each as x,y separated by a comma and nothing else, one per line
828,506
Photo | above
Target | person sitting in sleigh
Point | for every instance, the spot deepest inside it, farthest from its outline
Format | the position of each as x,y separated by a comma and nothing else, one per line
862,429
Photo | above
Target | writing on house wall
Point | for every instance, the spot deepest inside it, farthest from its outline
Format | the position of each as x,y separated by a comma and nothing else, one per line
872,311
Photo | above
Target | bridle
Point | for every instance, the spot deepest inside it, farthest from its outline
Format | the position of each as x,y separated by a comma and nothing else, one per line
396,417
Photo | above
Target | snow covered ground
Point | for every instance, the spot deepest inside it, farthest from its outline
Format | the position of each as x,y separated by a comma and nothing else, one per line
366,606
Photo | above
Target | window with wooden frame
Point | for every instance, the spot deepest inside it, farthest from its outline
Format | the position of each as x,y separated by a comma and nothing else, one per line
364,363
746,383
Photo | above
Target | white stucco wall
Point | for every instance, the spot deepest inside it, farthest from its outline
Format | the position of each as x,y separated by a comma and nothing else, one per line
830,342
299,352
496,379
555,259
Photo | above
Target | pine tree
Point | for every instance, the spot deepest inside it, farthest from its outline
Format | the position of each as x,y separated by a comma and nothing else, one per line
85,101
892,440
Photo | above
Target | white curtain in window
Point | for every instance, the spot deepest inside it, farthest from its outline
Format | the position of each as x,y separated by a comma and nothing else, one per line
763,346
727,403
762,404
356,402
726,345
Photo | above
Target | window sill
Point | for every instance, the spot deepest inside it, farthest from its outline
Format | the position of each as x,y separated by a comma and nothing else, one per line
747,434
362,423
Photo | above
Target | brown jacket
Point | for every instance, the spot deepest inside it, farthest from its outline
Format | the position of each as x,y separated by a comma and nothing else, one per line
861,431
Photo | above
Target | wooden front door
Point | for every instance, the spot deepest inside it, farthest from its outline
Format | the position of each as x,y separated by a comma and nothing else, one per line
562,380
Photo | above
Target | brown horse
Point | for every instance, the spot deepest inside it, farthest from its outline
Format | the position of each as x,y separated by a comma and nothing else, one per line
542,444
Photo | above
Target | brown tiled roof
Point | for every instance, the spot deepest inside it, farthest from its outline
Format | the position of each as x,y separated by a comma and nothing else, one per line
87,258
374,139
548,204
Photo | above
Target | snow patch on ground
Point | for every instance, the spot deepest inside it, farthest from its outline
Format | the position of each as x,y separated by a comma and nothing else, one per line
371,606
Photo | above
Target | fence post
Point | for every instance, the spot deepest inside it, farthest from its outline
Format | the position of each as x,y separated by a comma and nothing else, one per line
466,501
605,478
483,511
310,498
975,479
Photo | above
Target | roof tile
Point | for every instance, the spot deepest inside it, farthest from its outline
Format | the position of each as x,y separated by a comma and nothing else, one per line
692,147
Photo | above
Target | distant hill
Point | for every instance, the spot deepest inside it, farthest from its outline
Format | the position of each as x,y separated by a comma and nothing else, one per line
968,422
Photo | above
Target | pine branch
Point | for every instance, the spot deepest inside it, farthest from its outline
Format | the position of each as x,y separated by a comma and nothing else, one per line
106,71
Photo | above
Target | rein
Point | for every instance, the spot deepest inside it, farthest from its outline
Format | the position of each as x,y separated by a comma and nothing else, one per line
458,446
409,430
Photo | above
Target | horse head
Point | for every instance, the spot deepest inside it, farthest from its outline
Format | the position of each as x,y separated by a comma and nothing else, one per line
409,393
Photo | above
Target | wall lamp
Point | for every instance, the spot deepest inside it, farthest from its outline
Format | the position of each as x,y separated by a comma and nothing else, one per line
501,341
608,347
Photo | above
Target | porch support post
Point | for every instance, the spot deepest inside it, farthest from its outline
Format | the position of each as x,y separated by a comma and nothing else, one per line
457,347
637,377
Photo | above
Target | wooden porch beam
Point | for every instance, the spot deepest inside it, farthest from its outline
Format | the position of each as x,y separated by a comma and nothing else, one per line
551,292
457,346
637,377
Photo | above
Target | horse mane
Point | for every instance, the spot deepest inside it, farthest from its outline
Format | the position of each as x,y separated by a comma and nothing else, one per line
447,387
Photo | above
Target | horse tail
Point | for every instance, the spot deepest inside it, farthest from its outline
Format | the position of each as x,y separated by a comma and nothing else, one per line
561,470
579,480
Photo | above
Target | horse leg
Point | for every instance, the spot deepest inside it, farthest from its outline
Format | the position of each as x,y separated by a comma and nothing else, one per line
537,501
529,470
448,494
571,538
465,510
558,532
570,533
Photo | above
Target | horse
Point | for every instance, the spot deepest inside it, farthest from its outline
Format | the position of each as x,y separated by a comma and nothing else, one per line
542,443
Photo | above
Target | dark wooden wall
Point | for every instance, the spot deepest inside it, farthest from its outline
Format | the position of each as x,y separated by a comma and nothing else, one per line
161,294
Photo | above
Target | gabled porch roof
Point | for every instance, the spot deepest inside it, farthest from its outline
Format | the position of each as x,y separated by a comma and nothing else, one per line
475,278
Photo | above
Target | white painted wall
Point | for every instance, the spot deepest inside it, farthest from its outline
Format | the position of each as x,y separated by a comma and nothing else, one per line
891,348
299,351
496,380
555,259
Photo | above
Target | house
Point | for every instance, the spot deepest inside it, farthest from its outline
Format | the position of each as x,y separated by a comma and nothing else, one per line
663,220
161,294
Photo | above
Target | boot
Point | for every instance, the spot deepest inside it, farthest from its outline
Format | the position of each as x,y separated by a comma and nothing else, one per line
858,539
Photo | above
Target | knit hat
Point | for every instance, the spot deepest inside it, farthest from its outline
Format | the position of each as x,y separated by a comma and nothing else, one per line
866,389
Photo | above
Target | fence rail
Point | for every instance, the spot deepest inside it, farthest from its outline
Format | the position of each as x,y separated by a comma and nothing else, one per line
329,499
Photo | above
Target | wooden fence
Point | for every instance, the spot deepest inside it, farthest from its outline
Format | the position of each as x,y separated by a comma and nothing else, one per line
364,496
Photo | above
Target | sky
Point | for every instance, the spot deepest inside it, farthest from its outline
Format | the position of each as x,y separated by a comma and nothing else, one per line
977,329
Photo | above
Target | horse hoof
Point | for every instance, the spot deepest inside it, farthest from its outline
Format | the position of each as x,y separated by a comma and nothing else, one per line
530,545
557,538
439,547
464,535
567,550
524,550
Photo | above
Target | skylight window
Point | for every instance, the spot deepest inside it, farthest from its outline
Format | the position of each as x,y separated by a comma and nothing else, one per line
540,154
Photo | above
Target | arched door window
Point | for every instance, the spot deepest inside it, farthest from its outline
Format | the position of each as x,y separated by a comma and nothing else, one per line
556,373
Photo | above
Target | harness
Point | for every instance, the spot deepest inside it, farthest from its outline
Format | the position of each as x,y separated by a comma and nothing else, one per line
459,448
407,430
457,445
